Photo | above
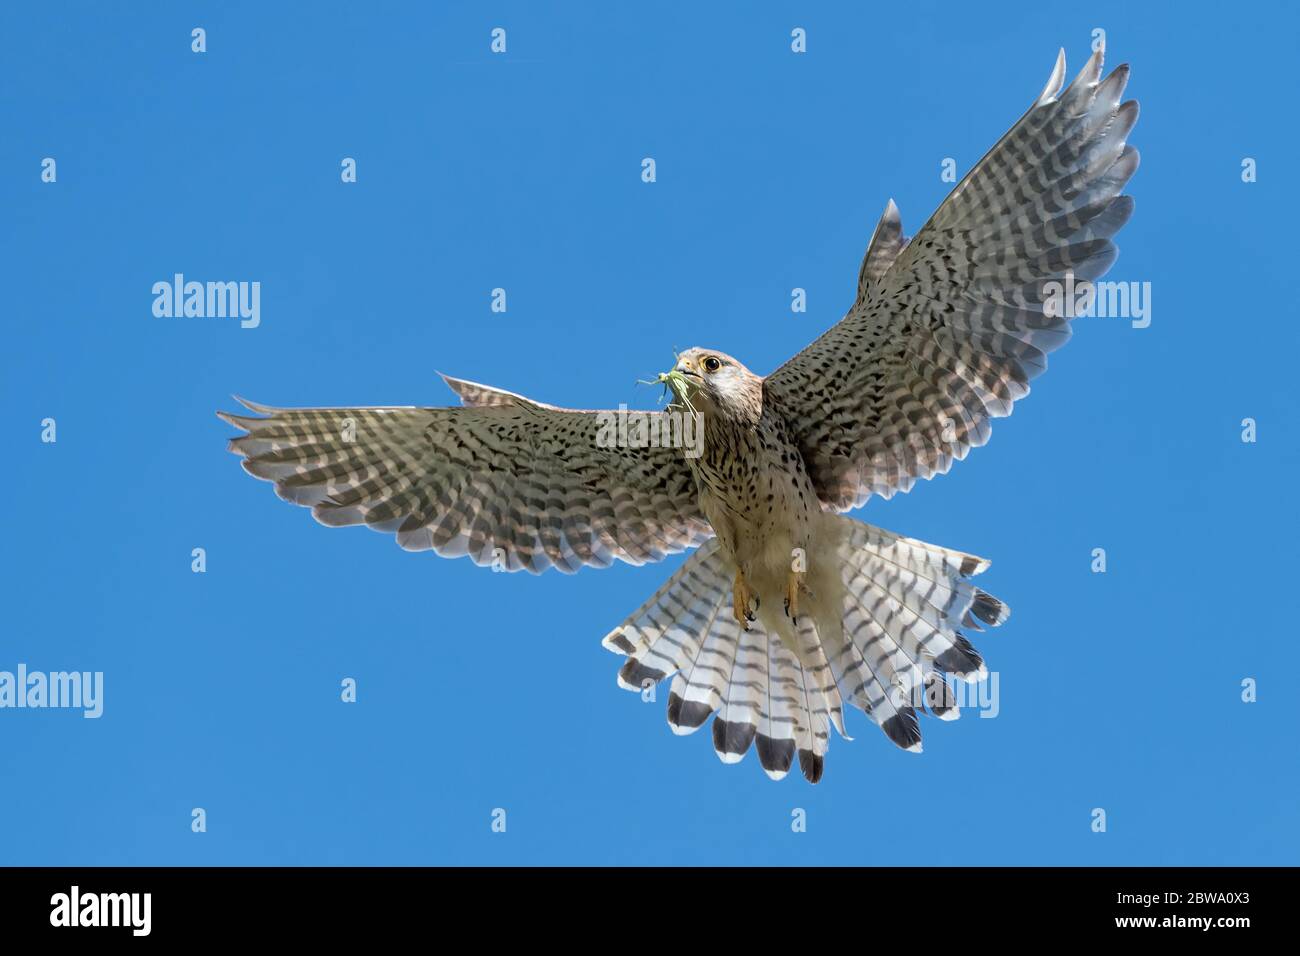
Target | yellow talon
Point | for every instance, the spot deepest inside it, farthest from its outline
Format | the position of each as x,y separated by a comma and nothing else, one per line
740,598
793,585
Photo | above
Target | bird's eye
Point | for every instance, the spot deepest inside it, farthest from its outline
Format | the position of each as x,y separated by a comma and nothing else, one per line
711,364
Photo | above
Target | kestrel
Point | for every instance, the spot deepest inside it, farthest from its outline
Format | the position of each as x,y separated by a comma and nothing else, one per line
787,609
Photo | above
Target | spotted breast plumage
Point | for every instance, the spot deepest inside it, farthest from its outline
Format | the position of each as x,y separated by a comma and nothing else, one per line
787,609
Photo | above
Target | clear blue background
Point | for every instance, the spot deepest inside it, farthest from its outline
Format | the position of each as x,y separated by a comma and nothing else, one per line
480,690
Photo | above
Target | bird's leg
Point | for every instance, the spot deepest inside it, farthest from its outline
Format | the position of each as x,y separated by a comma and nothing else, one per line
793,585
740,598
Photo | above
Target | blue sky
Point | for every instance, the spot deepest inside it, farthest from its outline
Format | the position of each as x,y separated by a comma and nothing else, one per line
1119,690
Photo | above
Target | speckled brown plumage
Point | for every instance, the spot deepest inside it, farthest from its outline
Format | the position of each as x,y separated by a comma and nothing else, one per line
787,610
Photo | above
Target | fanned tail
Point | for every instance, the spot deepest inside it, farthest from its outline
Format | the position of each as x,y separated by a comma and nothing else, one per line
886,643
761,694
904,603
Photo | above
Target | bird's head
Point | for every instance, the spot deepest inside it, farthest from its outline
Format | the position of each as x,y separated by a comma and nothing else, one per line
714,383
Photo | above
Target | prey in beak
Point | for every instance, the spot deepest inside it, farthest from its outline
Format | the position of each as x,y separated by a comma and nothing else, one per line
679,382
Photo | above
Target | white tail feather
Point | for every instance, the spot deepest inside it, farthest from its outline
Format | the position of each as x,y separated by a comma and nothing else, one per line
884,643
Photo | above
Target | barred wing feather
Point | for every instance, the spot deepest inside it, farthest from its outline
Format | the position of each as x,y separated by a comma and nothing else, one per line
949,328
512,482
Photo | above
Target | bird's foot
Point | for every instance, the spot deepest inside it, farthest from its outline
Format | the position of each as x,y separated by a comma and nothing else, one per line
793,587
741,598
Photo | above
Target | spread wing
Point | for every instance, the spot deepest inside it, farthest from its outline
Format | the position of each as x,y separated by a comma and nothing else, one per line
948,329
505,480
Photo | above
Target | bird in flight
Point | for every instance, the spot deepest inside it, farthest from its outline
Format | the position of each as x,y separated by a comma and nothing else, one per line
787,609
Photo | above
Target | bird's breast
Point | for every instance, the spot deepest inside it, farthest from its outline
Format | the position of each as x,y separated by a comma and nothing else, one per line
755,491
